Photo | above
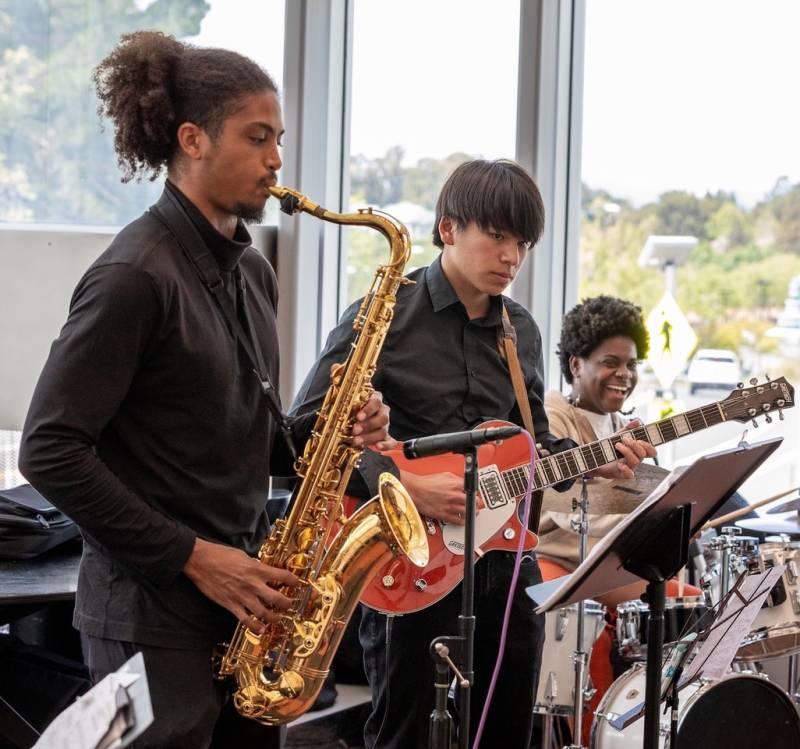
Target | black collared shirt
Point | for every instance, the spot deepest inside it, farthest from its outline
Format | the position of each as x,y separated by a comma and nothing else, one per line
149,428
438,370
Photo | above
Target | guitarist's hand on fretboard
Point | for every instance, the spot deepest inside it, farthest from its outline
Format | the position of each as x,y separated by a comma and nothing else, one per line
632,453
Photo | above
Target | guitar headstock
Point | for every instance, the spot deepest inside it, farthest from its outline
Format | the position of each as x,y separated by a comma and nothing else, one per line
746,403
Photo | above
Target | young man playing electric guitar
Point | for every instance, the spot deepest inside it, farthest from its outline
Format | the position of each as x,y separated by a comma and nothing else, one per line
441,370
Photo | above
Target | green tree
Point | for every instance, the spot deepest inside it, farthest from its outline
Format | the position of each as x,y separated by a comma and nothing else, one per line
55,164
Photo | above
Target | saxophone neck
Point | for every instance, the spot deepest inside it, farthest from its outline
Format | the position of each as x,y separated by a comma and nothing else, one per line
399,239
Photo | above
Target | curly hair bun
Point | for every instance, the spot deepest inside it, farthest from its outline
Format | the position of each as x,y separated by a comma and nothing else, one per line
150,83
135,86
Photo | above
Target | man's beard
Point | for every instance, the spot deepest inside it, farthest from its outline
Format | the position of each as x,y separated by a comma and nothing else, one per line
250,214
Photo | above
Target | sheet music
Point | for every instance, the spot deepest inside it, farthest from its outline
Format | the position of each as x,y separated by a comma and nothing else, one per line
731,625
109,716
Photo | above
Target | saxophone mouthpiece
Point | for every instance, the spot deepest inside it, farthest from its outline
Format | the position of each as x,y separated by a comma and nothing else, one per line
289,200
290,204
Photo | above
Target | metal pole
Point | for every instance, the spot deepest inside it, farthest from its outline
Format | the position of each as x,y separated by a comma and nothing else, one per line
655,637
467,619
579,657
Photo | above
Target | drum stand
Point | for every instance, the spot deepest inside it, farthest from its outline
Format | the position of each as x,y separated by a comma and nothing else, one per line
580,657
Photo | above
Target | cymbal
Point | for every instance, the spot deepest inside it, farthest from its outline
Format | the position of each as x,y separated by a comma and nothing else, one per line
793,505
617,497
790,525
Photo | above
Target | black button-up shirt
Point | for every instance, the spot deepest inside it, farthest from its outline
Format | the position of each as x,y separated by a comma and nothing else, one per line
438,370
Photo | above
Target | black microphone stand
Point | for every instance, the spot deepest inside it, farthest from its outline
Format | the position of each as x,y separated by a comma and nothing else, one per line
461,648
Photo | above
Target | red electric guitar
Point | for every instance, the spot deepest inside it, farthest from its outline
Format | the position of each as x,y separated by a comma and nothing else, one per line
400,587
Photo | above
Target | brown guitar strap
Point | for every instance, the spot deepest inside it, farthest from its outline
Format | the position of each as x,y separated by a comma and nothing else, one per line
509,341
509,337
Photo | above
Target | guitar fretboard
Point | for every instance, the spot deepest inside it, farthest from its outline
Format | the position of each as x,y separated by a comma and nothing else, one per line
572,463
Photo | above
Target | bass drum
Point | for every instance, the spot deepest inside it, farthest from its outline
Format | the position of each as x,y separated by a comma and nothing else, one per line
745,711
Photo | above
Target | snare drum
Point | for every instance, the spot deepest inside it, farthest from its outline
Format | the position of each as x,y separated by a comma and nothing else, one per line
745,711
776,629
681,616
557,675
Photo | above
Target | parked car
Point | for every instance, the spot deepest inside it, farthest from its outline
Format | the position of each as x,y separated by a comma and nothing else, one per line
714,368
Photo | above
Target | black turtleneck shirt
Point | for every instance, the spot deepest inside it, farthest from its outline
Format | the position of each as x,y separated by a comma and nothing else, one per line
149,428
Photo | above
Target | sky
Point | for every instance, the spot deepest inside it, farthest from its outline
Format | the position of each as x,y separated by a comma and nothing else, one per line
678,94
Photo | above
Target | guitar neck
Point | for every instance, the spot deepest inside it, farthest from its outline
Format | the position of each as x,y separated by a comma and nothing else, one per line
570,464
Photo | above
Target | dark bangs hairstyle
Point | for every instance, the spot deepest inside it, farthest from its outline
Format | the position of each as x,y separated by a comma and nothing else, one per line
151,83
594,320
498,194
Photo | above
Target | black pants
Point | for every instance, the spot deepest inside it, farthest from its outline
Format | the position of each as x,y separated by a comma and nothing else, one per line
190,709
400,670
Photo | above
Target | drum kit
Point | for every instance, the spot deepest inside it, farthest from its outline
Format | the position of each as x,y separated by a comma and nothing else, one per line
708,708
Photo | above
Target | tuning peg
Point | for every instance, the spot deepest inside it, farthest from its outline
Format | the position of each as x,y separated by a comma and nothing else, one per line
780,415
766,377
769,419
740,385
755,423
754,380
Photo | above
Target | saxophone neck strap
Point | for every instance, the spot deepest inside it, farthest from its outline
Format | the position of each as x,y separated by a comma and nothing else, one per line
175,218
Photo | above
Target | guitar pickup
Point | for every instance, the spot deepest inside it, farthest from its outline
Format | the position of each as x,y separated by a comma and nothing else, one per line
492,490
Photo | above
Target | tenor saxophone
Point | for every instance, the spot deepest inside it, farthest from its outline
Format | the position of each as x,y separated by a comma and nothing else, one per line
279,673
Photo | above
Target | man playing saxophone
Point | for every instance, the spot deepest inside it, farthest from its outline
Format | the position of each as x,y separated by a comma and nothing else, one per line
155,423
440,370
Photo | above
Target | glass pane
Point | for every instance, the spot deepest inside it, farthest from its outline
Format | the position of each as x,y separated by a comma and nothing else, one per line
56,164
434,84
690,130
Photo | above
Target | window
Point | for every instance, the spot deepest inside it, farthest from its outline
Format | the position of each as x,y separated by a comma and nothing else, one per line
688,131
434,84
56,165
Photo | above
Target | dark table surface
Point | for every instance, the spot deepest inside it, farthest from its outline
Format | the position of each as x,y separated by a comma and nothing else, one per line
52,576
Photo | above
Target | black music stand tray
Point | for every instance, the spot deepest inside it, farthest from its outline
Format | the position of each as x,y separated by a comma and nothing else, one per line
652,544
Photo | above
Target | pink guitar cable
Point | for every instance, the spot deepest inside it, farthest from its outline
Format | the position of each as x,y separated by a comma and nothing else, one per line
507,616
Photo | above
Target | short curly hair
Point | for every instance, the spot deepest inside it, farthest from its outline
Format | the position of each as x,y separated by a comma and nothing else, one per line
151,83
593,321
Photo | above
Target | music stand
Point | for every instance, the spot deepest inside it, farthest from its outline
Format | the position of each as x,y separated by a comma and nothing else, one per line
652,544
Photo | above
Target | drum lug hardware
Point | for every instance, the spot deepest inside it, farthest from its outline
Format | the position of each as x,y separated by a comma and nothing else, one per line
796,601
551,691
791,570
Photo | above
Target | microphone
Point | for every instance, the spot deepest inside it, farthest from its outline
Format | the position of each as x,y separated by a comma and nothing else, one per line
456,442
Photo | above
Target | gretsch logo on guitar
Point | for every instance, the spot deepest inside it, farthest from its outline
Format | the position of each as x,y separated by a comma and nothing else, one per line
400,587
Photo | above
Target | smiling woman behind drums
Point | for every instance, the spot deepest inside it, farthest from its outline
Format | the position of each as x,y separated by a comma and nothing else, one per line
602,341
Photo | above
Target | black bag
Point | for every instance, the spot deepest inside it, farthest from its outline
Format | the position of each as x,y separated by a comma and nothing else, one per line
29,524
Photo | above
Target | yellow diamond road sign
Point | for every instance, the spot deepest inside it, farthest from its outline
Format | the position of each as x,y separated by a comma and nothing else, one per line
672,339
